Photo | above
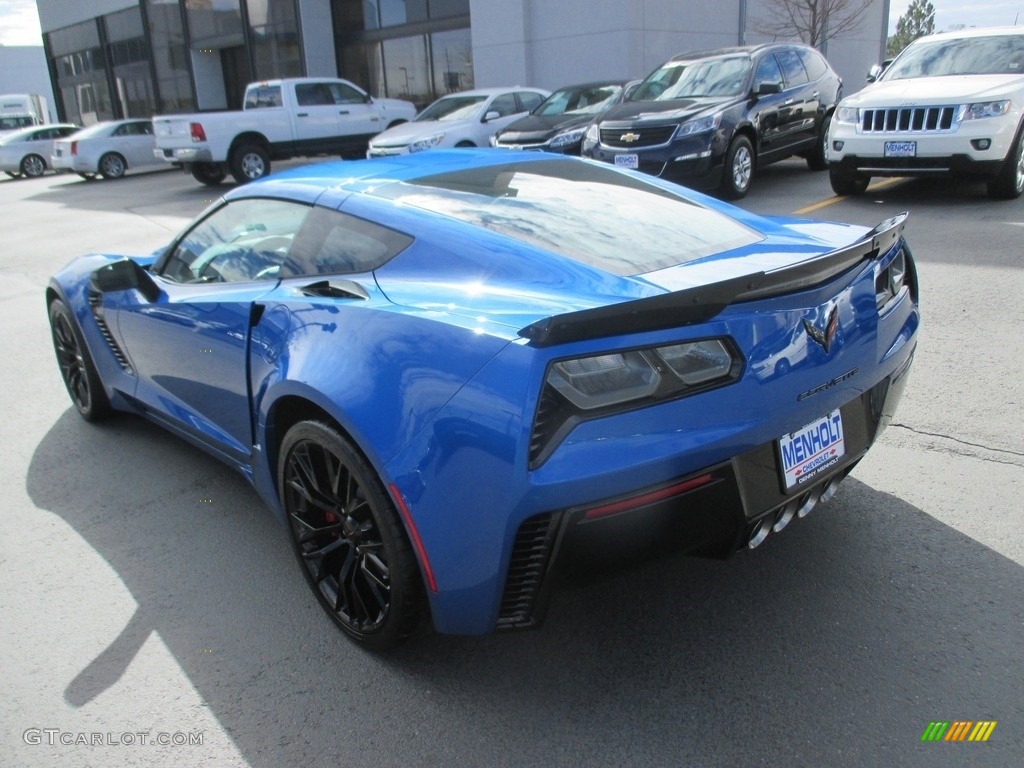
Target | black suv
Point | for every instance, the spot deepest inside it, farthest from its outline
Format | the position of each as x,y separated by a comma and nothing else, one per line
709,119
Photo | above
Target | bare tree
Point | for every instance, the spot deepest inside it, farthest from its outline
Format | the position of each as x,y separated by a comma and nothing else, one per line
815,22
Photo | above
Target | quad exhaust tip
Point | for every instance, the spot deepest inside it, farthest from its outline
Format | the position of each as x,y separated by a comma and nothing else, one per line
799,507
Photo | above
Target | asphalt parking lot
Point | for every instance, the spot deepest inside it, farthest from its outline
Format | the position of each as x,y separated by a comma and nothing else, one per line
153,614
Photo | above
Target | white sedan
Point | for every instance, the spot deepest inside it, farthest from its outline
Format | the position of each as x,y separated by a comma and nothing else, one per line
466,119
109,148
27,152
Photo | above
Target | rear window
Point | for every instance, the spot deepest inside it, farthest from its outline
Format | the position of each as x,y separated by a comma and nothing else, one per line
261,96
594,215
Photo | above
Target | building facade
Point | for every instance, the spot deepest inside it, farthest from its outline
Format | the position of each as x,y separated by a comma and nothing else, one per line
128,58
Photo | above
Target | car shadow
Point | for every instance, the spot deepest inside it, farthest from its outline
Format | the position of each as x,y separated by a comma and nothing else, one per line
835,643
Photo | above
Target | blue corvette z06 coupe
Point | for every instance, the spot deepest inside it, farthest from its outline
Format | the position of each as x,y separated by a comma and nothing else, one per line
450,372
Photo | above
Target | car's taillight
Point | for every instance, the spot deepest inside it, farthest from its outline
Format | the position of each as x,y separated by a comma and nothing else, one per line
196,129
74,148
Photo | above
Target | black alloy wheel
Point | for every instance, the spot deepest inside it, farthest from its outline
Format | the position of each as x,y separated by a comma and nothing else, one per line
348,537
76,366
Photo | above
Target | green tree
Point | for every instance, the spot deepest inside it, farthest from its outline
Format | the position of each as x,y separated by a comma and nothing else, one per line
919,20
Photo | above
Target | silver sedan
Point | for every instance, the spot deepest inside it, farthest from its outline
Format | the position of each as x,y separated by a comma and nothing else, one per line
109,149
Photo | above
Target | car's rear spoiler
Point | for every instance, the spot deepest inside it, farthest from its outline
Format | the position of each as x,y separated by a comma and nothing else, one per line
695,305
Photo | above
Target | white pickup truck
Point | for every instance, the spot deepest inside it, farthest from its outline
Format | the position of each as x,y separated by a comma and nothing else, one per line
286,118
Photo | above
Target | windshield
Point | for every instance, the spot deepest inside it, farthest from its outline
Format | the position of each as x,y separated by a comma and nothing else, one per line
692,79
996,55
451,108
585,100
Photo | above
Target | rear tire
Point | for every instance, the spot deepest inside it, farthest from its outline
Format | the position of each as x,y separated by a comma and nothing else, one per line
209,174
33,166
249,162
844,183
738,169
76,365
349,540
1009,184
817,158
112,166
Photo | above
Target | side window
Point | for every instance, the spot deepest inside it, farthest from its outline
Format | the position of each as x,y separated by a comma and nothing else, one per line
767,72
792,67
813,63
334,243
345,94
263,96
241,241
312,94
504,105
529,100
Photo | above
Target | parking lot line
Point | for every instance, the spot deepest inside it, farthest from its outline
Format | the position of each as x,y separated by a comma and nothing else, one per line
839,198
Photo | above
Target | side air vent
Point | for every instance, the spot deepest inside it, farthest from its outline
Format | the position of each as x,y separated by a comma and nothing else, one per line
531,554
96,307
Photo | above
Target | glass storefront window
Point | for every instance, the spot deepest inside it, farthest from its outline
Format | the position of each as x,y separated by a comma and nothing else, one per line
452,53
275,38
363,65
396,12
406,74
214,23
441,9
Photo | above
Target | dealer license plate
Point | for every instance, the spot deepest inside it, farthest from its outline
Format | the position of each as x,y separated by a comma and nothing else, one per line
811,450
901,149
627,161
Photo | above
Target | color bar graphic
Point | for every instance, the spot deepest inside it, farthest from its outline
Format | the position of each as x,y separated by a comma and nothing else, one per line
958,730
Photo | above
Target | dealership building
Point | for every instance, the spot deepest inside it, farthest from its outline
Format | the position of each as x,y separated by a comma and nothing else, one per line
128,58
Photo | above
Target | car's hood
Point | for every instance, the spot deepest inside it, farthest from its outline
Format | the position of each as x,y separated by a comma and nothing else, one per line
675,110
407,133
507,290
542,127
952,89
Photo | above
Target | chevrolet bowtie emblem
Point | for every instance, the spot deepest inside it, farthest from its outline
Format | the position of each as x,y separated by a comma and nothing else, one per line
629,138
824,337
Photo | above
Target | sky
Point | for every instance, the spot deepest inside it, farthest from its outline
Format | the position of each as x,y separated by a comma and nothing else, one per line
19,23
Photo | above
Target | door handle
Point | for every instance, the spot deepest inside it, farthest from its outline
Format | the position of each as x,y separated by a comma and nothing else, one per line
303,114
343,112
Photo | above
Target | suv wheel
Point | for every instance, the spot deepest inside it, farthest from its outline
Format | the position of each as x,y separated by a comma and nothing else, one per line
738,170
1009,184
844,183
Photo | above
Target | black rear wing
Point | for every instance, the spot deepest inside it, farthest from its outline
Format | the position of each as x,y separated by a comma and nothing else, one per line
701,303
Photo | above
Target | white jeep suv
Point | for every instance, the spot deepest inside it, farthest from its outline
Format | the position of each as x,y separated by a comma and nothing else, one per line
949,104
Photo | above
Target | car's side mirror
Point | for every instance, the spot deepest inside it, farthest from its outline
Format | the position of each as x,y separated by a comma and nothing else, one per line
765,89
124,275
492,115
874,73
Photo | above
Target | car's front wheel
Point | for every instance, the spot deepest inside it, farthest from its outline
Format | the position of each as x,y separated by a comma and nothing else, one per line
1009,184
112,166
33,166
76,365
249,162
348,537
738,170
844,183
